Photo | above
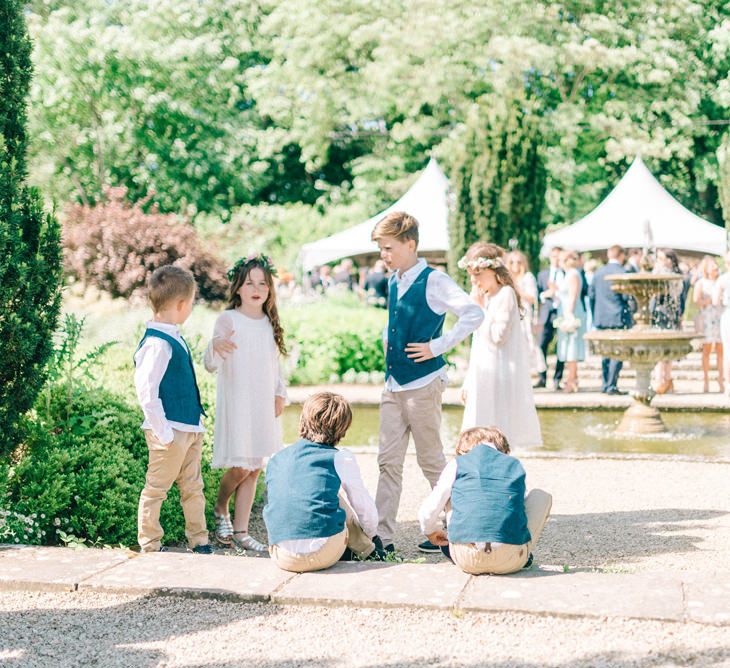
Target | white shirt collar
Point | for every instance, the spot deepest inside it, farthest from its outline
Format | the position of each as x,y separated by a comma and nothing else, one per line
411,275
167,328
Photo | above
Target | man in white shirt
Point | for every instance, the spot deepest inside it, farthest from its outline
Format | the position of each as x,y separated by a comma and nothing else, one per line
419,298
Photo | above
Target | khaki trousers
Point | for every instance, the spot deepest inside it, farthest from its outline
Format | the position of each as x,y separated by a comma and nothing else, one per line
177,462
416,412
505,558
329,554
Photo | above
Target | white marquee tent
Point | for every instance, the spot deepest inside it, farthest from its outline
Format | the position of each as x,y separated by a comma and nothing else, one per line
622,219
426,200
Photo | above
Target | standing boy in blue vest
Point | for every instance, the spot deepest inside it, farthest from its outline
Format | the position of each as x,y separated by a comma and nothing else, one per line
173,427
318,511
492,525
415,374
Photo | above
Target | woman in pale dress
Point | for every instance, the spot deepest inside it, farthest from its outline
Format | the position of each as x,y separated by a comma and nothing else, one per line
526,286
247,343
571,320
721,298
497,390
709,318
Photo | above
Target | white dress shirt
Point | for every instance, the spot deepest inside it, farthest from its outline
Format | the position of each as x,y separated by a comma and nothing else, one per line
432,507
442,295
358,496
151,362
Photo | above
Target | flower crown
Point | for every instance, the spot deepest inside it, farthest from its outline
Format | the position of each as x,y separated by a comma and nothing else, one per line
264,261
480,263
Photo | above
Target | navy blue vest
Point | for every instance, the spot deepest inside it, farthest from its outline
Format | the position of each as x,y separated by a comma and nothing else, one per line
410,320
178,389
488,499
301,493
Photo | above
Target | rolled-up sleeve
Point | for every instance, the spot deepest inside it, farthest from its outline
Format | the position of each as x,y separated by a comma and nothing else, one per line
435,502
360,500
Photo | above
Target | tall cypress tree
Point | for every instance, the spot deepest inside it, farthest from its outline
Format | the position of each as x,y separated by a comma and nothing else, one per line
30,248
499,180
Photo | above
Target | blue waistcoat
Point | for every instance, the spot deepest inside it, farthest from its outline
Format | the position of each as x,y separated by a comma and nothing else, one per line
178,389
488,499
410,320
301,488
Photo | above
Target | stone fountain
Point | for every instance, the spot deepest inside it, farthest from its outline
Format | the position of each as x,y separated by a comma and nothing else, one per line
642,345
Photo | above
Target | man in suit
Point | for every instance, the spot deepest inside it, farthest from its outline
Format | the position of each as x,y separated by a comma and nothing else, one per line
547,281
611,310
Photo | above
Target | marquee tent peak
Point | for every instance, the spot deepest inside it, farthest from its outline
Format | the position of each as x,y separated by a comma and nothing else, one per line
426,200
621,218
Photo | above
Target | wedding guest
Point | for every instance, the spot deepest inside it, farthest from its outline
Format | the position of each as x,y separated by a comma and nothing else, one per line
497,389
571,320
419,299
633,262
589,270
667,310
611,310
526,286
721,298
708,321
376,286
547,285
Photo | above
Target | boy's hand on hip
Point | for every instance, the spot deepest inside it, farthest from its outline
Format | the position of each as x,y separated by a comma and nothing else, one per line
278,405
419,352
223,346
439,538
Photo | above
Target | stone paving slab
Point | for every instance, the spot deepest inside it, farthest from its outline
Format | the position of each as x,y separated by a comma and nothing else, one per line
578,594
53,568
240,578
708,600
377,585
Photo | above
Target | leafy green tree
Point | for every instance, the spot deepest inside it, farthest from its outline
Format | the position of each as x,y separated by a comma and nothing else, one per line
723,158
499,180
30,253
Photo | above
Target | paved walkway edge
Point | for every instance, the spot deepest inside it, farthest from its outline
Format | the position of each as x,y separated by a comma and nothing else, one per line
678,597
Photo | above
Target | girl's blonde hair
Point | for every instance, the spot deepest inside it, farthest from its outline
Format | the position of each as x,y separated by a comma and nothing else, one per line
470,438
705,264
521,258
238,276
570,259
488,251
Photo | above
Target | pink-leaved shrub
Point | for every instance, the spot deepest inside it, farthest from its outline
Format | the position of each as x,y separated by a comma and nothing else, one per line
115,245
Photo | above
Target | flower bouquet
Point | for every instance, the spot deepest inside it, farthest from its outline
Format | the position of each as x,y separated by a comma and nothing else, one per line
567,323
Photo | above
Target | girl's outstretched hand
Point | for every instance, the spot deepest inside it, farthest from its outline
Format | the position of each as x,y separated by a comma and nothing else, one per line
223,346
278,405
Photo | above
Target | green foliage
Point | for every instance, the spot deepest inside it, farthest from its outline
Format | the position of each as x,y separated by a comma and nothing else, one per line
499,181
334,338
30,255
723,186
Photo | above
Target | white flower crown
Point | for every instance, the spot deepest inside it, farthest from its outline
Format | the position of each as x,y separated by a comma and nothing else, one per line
480,263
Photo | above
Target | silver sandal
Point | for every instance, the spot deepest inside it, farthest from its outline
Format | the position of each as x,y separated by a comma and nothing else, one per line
247,542
223,529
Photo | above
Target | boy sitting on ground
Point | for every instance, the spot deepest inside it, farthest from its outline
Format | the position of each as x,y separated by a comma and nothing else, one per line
492,526
318,511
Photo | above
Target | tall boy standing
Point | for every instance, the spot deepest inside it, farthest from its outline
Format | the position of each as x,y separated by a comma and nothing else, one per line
415,377
168,394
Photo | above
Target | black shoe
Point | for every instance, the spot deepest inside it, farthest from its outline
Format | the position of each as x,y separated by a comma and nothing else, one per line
164,549
429,547
347,555
389,548
539,384
378,553
557,386
616,391
528,563
203,549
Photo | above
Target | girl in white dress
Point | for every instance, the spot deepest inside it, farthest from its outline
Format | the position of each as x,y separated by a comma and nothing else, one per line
709,319
497,390
721,298
247,342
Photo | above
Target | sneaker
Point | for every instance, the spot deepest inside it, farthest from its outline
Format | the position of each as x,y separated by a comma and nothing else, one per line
529,561
164,549
429,547
203,549
389,548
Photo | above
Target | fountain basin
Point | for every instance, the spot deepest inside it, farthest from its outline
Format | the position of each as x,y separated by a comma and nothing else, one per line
647,346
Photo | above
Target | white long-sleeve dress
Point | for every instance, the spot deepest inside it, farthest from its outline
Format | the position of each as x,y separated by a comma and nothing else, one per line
246,429
498,385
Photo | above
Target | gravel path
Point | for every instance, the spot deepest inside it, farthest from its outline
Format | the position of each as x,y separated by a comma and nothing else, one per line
92,629
617,515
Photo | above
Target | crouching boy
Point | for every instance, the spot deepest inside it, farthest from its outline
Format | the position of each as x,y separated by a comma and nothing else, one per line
492,526
318,510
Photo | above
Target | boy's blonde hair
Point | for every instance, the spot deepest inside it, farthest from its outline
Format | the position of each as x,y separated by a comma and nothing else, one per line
399,225
470,438
325,418
169,283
